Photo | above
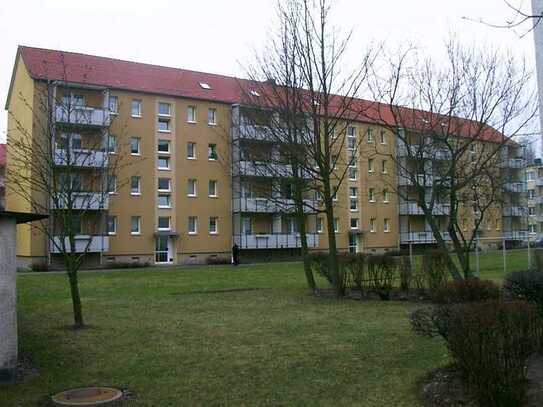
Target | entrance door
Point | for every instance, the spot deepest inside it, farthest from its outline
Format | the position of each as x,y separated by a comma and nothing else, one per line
163,250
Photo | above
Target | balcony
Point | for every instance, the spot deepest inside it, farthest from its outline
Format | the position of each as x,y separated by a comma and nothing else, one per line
421,237
429,152
254,132
513,163
81,158
513,211
265,205
515,187
92,244
412,208
84,201
82,116
516,235
263,169
422,179
275,241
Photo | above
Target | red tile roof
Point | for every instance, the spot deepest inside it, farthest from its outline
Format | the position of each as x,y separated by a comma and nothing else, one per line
140,77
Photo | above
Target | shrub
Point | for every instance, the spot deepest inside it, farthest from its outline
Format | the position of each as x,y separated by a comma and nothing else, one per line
40,266
319,265
469,290
218,260
491,341
434,268
406,274
381,270
525,284
538,260
125,265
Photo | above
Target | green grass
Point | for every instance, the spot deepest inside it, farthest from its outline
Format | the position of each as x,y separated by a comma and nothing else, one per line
155,333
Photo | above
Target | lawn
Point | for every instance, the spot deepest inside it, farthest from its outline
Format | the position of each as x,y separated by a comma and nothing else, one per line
169,337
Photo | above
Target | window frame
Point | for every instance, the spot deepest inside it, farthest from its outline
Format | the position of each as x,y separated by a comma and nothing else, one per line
193,145
195,223
138,231
214,116
194,183
132,192
169,114
216,231
216,189
167,159
168,142
138,141
139,114
191,114
159,228
169,198
169,185
114,231
110,99
212,147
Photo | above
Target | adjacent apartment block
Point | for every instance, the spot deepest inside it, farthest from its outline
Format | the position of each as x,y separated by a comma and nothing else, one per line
534,177
190,194
2,176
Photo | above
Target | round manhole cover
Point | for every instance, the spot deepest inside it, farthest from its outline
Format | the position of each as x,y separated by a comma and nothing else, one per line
87,396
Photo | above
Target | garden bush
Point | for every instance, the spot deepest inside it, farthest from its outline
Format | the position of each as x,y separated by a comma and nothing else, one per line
405,273
525,284
491,342
434,268
381,272
468,290
40,266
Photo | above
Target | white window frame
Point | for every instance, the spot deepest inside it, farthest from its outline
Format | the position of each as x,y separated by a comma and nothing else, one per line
318,225
193,145
138,115
195,224
386,225
169,205
163,119
169,114
116,104
138,141
369,135
372,225
336,225
209,158
164,168
351,171
110,138
384,167
169,146
216,184
386,197
169,185
194,183
212,114
138,192
216,231
112,185
164,228
382,135
138,220
114,231
371,194
370,165
191,114
356,227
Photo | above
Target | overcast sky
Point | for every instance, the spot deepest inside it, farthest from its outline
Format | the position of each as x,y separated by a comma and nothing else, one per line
218,36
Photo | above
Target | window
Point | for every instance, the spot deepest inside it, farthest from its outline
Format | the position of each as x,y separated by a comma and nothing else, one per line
370,165
136,108
164,184
191,150
292,226
111,225
135,225
193,225
164,201
383,137
354,223
385,196
191,187
135,146
372,225
532,228
254,93
384,166
531,211
113,104
164,109
246,226
319,225
76,224
497,224
353,195
212,188
135,186
472,148
112,144
163,125
369,135
112,184
335,193
163,163
530,175
351,138
336,225
371,194
212,152
163,146
386,225
191,114
163,223
205,85
213,221
353,173
212,116
531,193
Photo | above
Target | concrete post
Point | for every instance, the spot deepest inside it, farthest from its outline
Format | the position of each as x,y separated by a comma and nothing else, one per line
8,298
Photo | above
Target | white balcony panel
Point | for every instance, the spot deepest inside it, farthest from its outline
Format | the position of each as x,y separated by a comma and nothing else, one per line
262,169
255,132
81,158
93,244
515,187
428,153
421,237
82,115
412,208
513,163
275,241
516,235
84,201
264,205
514,211
422,179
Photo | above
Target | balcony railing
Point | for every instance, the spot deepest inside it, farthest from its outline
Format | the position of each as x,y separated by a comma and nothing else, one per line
422,179
83,201
430,152
412,208
516,235
275,241
513,163
513,211
92,243
515,187
81,158
81,115
263,169
265,205
421,237
255,132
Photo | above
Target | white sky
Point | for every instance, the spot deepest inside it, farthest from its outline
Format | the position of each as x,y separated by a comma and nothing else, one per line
218,36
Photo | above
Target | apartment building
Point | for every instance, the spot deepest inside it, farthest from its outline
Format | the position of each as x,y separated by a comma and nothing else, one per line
534,177
2,175
189,192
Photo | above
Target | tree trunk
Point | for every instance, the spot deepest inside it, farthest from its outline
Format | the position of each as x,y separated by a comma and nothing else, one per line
333,265
305,254
76,299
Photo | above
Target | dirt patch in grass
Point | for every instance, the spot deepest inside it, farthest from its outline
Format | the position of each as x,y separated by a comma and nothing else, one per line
444,387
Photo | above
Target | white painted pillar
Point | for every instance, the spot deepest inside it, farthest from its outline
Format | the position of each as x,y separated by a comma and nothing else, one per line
8,300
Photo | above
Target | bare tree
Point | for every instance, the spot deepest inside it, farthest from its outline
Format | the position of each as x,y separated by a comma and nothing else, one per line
302,97
455,125
65,164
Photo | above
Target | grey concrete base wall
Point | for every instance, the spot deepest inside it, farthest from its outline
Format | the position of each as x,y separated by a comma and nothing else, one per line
139,258
27,262
8,300
203,258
